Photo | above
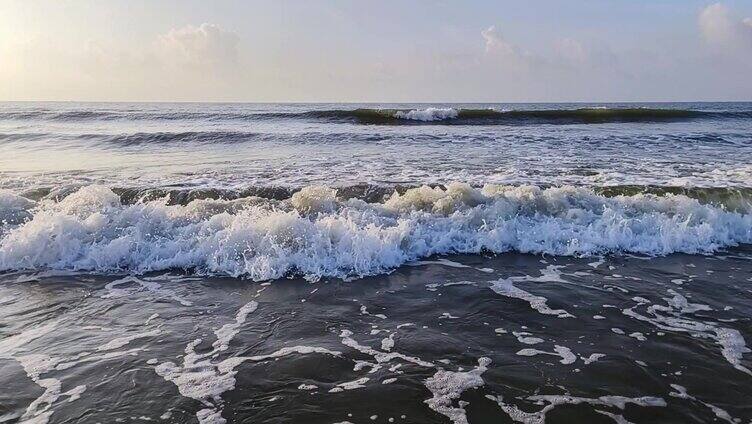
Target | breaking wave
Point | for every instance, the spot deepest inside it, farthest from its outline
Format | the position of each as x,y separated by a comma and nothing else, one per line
317,233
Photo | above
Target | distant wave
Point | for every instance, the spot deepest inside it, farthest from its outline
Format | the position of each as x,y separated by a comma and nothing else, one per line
198,137
110,115
157,138
431,115
520,117
138,138
317,233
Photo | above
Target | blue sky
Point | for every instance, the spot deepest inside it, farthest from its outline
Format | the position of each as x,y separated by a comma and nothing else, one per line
630,50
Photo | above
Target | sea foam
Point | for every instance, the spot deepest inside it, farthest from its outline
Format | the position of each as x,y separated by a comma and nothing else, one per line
429,114
315,234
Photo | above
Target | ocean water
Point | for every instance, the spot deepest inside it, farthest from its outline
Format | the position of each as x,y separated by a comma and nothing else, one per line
415,263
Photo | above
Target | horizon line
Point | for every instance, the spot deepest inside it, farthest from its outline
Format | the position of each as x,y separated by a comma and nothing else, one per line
376,102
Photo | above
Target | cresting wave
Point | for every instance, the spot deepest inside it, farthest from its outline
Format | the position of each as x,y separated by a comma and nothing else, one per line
315,234
379,116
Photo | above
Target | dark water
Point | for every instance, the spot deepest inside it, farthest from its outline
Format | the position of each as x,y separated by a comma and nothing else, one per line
626,315
375,263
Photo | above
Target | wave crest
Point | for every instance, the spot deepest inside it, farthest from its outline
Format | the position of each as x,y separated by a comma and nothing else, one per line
425,115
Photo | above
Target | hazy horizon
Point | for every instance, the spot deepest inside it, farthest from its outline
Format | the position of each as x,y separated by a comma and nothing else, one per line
337,52
345,102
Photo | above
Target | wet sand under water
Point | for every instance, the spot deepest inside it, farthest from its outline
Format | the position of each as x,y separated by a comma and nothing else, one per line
468,338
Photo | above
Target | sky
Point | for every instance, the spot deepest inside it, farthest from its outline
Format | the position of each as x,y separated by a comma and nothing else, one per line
376,51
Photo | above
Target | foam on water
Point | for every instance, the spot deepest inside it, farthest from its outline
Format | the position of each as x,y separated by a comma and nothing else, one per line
677,316
119,342
204,378
549,402
527,338
681,392
505,287
226,333
429,114
114,289
379,356
594,357
316,235
392,355
38,365
350,385
447,386
566,355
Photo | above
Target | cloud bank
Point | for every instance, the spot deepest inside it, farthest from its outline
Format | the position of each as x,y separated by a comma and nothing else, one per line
498,61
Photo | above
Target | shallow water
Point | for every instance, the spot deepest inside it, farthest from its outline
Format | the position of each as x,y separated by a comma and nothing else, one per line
573,334
375,263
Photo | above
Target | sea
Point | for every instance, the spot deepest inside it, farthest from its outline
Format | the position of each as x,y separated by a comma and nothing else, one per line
375,263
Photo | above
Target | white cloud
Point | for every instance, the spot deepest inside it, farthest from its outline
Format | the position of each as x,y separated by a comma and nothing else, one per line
205,45
505,55
496,44
718,27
